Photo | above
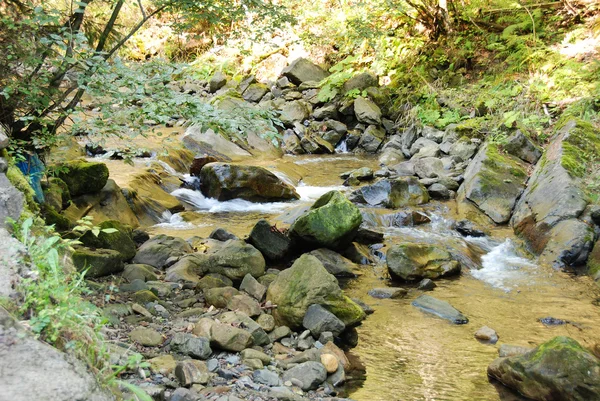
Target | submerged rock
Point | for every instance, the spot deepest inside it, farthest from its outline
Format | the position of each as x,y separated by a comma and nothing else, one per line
392,193
440,309
332,222
224,181
307,283
411,262
559,369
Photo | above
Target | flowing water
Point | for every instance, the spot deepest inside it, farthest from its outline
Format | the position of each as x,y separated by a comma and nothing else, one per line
409,355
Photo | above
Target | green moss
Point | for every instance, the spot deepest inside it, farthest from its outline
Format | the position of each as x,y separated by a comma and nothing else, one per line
471,128
16,177
52,217
581,147
82,177
500,166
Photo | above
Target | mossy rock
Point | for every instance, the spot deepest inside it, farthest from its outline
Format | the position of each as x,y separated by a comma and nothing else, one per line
16,177
54,218
471,128
144,297
560,369
411,262
331,222
82,177
120,241
97,262
56,194
581,146
307,283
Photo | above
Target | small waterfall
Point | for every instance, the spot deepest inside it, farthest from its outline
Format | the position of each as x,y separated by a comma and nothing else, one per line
211,205
312,193
174,221
342,147
503,268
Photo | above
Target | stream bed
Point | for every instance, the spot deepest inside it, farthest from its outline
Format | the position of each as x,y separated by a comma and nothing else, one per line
408,354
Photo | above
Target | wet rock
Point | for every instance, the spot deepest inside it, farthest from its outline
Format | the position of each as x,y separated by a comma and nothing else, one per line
368,236
271,242
440,309
309,374
413,261
518,144
359,254
303,70
371,139
400,192
224,181
252,287
221,234
190,345
506,350
199,162
384,293
146,336
158,250
82,177
555,194
98,262
307,283
569,244
229,338
426,285
487,335
217,81
366,308
493,182
191,372
367,112
559,369
335,263
332,222
467,228
318,320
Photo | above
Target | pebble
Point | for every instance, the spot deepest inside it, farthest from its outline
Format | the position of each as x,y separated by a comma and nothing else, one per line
330,362
486,334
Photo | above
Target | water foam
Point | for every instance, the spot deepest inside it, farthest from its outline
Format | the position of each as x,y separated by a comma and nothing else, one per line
211,205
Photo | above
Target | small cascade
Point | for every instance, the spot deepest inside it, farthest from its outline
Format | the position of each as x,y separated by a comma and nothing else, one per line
312,193
342,147
211,205
174,221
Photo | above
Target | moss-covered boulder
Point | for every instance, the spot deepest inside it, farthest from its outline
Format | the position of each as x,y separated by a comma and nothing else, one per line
97,262
82,177
556,192
410,262
56,194
560,369
331,222
235,259
54,218
493,182
392,193
113,235
225,181
307,283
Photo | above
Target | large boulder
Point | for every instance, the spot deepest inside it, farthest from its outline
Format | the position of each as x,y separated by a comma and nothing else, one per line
11,200
332,222
410,262
82,177
294,112
560,369
367,111
210,143
97,262
555,193
120,240
494,181
307,283
33,370
392,193
335,263
303,70
225,181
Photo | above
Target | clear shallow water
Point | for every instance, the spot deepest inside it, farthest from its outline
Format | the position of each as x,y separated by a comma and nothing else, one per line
410,355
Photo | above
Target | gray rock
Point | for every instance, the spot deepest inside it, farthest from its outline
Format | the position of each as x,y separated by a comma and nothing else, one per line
303,70
255,92
486,335
433,134
371,139
229,338
159,249
429,167
221,234
244,303
360,81
440,309
4,141
33,370
392,193
463,149
414,261
319,320
366,111
266,377
427,151
139,272
310,374
326,112
146,336
422,143
426,285
294,112
11,200
506,350
335,263
191,372
3,165
518,144
217,81
279,333
439,191
252,287
190,345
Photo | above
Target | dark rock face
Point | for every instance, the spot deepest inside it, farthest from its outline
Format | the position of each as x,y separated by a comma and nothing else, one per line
99,262
224,181
199,162
559,369
83,177
273,244
518,144
319,320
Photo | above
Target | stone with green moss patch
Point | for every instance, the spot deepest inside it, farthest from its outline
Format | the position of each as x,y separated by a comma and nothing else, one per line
331,222
410,262
307,283
97,262
119,240
560,369
82,177
16,178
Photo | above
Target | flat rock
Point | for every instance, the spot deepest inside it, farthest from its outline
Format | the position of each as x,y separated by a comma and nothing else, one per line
440,309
